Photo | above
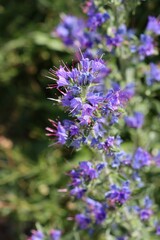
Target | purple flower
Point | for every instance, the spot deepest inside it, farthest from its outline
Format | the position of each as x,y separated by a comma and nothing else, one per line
97,19
82,220
70,29
117,194
157,159
94,98
99,70
88,170
153,75
58,132
120,158
91,104
96,209
76,105
61,134
80,176
114,41
55,234
99,128
158,230
62,77
129,91
118,36
85,78
100,166
87,40
87,114
141,158
147,47
138,179
78,192
145,214
135,121
74,130
153,25
37,235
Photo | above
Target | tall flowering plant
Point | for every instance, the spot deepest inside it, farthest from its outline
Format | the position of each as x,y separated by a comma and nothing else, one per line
105,96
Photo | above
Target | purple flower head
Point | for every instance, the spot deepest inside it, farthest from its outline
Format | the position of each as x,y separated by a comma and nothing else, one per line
109,143
80,176
129,91
157,159
96,209
85,78
117,194
135,121
88,170
112,142
97,19
147,46
99,70
94,98
118,36
116,99
75,174
101,166
114,41
89,7
87,114
37,235
113,101
153,25
55,234
141,158
118,159
145,214
147,202
138,179
76,105
70,29
99,129
87,40
74,130
62,77
158,230
78,192
61,134
82,220
153,75
73,74
58,131
122,29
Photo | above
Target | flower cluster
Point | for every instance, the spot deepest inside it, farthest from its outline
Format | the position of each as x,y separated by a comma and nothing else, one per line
135,121
95,98
93,106
146,212
95,213
39,235
153,75
77,33
141,158
81,176
153,25
118,195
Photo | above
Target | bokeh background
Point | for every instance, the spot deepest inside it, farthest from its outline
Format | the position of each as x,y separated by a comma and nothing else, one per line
31,172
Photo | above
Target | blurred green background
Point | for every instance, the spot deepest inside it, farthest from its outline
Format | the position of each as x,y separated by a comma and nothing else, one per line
32,172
